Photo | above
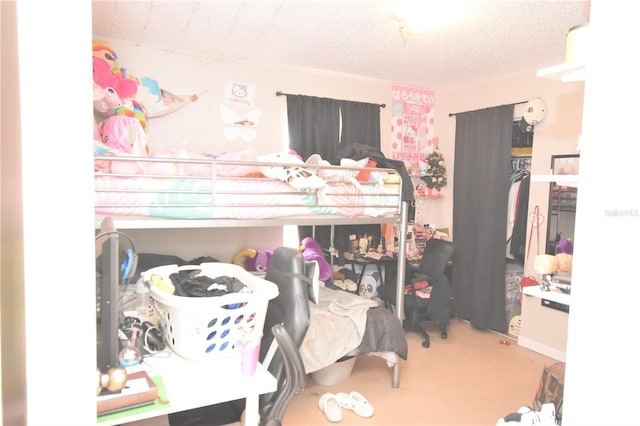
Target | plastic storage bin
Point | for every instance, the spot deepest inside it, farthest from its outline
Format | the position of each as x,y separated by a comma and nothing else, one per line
200,328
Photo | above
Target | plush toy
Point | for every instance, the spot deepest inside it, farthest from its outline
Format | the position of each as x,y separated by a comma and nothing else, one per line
565,262
311,250
564,246
120,122
296,176
253,260
369,285
109,88
334,174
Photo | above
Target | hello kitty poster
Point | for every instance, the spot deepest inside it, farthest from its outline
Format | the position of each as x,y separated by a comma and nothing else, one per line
238,114
412,123
239,93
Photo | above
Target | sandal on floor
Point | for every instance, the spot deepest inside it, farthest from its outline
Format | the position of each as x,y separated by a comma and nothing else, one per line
330,406
355,402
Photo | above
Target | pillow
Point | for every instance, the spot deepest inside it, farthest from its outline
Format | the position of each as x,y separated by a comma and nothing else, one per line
247,154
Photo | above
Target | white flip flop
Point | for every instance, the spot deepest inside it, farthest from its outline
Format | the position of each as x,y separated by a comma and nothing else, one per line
355,402
330,406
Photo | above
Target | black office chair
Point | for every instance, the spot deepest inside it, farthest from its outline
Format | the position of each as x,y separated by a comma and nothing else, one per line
434,267
286,321
291,310
294,378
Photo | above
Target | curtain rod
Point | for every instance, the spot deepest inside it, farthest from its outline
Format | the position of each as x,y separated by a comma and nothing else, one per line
279,93
451,114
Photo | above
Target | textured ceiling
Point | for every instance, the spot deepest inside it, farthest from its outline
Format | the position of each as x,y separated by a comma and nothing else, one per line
360,37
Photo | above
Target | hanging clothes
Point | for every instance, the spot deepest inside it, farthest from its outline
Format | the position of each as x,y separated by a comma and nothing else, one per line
518,205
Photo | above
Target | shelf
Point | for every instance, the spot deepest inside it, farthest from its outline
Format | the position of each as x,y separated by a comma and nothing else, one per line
566,180
566,72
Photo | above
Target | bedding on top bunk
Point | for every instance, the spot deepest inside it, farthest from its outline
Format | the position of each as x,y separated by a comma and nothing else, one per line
257,198
231,187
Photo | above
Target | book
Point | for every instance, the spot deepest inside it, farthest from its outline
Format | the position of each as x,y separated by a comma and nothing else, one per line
139,390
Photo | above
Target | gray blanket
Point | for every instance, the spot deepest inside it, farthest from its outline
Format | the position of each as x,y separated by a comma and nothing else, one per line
337,325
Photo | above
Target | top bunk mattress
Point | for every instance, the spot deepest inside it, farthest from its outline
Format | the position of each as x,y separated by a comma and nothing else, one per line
246,197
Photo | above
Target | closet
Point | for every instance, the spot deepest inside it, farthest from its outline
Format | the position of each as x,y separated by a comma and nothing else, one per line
517,208
515,252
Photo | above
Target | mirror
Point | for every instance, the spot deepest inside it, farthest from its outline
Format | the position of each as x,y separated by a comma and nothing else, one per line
563,196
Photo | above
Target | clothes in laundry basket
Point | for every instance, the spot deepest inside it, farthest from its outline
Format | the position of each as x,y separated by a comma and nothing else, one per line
188,285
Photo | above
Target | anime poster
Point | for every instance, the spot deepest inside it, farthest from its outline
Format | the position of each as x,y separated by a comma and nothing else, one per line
412,124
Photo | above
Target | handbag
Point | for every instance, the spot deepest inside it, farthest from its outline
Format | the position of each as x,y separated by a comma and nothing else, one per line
528,280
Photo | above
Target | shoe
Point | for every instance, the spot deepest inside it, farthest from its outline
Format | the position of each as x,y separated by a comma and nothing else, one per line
355,402
526,416
330,406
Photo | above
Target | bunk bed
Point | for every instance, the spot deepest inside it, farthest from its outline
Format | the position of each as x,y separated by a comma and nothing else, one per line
174,193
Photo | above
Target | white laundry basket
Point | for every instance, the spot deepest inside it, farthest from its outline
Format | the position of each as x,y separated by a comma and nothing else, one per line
200,328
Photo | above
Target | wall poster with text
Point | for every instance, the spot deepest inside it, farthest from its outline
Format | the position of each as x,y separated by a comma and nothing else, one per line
412,124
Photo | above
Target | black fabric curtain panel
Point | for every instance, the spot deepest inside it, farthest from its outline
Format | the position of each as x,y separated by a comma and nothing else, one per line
360,124
482,170
326,126
314,126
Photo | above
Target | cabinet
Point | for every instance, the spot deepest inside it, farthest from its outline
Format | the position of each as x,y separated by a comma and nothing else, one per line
545,319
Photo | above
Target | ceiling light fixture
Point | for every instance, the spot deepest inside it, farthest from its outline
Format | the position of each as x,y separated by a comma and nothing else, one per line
415,17
574,66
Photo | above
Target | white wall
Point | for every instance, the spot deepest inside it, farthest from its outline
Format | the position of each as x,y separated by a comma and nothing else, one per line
47,238
199,124
602,352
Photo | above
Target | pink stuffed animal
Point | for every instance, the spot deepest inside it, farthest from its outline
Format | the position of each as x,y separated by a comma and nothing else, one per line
109,89
119,122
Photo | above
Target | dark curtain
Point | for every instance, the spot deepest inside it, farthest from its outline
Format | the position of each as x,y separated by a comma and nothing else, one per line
360,124
482,171
314,126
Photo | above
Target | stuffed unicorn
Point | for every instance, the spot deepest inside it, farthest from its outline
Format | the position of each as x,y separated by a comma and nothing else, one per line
120,124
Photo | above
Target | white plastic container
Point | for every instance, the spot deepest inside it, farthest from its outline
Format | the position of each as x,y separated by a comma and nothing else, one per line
200,328
335,373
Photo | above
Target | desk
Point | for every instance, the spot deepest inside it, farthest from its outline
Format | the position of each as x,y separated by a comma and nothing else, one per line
545,320
193,384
